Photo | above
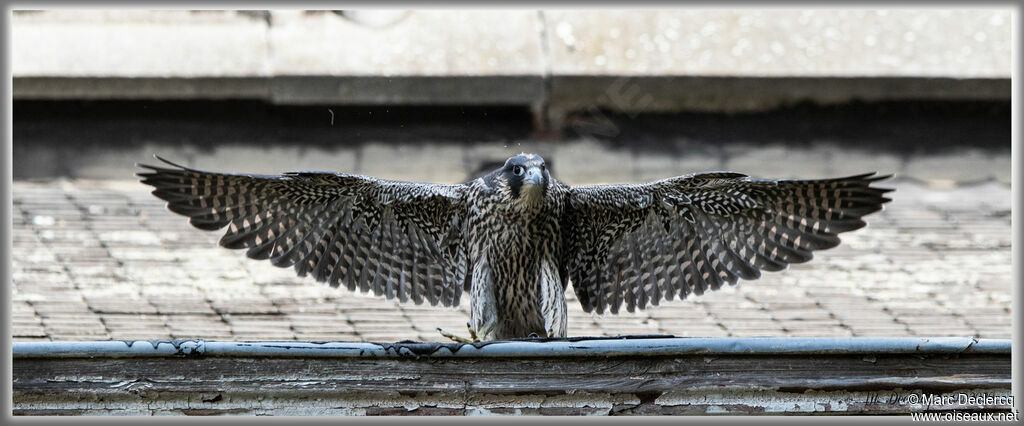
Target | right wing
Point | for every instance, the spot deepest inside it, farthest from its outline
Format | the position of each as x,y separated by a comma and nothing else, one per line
638,244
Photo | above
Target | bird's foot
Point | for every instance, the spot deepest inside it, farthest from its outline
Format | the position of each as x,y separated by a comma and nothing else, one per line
534,335
472,334
456,338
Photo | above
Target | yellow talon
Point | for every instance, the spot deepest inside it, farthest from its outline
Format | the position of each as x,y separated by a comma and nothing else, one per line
459,339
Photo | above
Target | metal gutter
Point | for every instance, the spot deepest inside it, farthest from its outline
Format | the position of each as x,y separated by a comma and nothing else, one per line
573,347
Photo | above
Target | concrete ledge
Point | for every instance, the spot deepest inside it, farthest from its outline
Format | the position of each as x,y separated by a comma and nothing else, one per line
449,43
739,94
294,90
132,44
664,61
408,90
781,43
170,88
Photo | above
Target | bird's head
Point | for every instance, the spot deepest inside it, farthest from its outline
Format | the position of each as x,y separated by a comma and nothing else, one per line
524,178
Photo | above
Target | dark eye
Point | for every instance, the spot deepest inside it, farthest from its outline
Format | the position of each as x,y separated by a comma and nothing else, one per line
518,170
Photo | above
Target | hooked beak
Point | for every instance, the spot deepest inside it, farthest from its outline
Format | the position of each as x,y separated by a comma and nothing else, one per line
534,176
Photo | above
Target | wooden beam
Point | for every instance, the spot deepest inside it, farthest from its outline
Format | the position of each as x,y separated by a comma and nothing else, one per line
626,384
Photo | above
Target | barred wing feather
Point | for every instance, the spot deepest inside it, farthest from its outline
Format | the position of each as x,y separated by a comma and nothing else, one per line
397,239
636,245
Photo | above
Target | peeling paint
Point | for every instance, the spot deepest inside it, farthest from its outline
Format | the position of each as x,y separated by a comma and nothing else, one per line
703,401
810,401
182,346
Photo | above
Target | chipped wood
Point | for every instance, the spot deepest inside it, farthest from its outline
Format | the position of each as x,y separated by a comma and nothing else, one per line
614,385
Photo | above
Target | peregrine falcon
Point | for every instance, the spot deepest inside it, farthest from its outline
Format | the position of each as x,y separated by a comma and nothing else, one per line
516,238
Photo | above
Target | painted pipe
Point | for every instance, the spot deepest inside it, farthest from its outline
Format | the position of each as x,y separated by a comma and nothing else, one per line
572,347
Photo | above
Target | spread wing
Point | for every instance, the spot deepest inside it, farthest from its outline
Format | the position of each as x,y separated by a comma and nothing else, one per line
399,239
638,244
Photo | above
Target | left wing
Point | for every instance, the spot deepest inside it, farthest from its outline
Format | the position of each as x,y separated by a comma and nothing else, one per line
399,239
636,244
